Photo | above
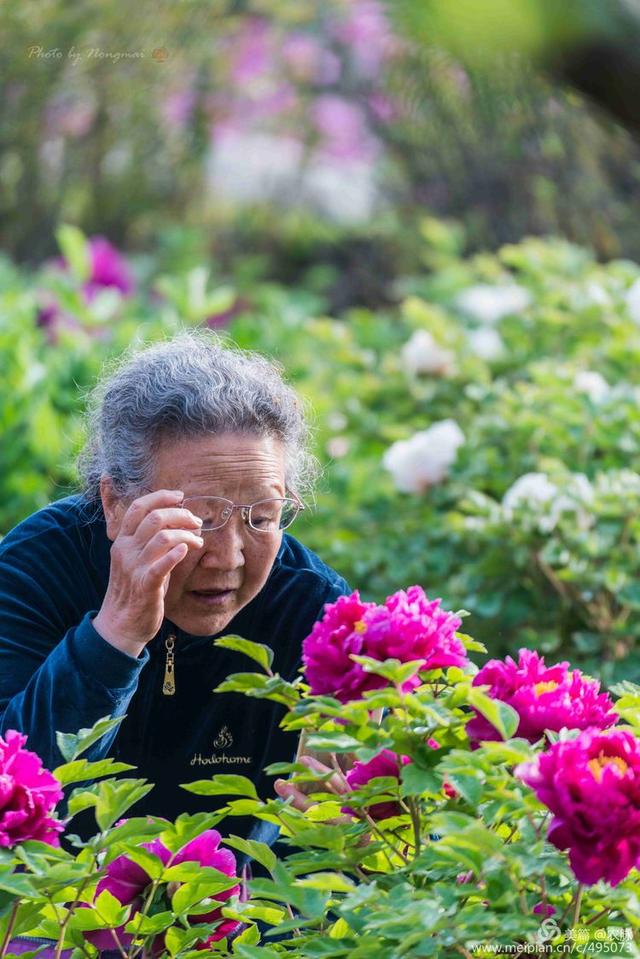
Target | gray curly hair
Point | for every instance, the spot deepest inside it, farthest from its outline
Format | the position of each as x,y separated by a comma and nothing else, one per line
191,385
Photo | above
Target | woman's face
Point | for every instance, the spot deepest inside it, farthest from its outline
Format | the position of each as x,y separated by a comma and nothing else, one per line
241,468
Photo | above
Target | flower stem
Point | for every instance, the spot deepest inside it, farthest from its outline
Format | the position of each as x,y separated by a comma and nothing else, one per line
10,926
65,921
577,905
415,819
597,916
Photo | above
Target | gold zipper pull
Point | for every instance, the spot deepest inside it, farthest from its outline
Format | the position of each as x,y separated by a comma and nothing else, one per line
169,685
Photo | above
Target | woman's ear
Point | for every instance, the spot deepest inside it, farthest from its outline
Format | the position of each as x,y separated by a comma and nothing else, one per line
113,507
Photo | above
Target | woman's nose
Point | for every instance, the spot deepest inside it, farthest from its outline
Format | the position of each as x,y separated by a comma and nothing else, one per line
224,547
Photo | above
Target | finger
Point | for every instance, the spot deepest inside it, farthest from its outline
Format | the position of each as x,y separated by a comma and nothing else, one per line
145,504
287,790
159,571
169,518
168,539
336,781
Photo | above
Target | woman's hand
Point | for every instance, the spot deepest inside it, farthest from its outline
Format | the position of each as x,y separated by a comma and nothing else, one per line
335,783
155,535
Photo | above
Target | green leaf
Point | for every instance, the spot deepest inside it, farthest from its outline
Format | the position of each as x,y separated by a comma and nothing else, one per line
327,882
81,799
114,797
19,884
152,865
502,716
75,250
244,807
141,925
85,920
333,742
260,687
257,651
188,827
222,785
111,909
256,952
137,828
248,937
72,745
191,894
468,786
81,769
257,910
416,781
256,850
174,937
392,669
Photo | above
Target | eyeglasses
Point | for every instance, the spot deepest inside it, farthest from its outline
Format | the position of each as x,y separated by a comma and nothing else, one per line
264,516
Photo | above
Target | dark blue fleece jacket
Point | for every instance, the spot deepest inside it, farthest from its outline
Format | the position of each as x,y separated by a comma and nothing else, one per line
57,673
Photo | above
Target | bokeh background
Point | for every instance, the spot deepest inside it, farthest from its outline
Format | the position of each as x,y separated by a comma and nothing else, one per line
427,212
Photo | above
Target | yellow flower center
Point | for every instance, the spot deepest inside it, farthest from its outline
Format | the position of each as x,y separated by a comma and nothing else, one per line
541,688
360,626
601,762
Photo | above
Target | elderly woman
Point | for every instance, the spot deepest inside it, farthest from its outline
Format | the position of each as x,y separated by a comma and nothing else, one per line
195,464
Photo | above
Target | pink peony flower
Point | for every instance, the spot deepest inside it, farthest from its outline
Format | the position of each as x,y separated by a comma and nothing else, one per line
28,794
407,627
384,764
545,697
416,628
326,651
543,909
108,269
591,784
342,129
128,882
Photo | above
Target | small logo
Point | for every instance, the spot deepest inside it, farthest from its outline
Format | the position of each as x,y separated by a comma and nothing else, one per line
223,740
160,54
549,929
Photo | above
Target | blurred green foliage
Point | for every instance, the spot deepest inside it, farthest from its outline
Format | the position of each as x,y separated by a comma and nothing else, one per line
543,347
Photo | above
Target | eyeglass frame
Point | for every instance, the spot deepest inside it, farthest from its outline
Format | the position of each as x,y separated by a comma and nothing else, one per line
244,506
246,517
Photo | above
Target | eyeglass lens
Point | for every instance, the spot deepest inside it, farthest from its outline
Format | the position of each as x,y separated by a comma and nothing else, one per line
266,516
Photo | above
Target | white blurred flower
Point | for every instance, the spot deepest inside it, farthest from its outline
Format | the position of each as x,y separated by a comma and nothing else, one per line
337,420
338,446
546,501
591,383
532,489
632,299
421,354
425,458
486,343
488,304
596,294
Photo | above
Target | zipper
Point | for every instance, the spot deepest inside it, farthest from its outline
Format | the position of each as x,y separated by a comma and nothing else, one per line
169,684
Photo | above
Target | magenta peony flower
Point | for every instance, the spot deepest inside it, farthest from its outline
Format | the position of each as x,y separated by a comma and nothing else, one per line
416,628
384,764
128,881
591,784
408,627
108,268
28,794
326,651
545,697
543,909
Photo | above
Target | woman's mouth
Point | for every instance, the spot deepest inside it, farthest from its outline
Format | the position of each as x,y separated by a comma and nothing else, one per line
212,597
